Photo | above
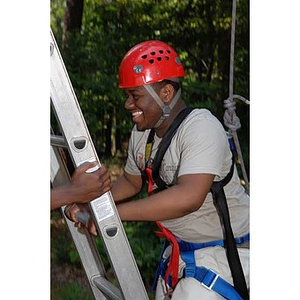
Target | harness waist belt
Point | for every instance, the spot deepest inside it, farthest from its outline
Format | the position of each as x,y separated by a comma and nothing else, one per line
187,246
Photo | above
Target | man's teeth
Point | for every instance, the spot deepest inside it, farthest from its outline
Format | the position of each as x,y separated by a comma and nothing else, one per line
137,113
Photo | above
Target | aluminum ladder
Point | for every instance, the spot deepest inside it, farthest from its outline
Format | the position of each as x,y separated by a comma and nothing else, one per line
76,138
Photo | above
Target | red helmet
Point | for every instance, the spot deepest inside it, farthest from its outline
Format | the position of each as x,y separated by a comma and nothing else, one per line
149,62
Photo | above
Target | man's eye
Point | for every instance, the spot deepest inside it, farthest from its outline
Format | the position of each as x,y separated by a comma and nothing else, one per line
133,95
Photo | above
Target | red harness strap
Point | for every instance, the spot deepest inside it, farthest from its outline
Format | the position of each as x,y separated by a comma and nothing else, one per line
150,180
173,266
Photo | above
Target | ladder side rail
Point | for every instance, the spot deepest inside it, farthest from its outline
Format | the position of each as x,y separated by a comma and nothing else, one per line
104,212
85,245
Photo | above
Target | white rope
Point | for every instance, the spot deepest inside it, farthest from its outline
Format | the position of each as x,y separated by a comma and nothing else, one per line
231,70
241,98
231,120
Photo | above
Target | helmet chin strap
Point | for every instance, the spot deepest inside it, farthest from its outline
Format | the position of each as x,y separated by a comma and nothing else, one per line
166,109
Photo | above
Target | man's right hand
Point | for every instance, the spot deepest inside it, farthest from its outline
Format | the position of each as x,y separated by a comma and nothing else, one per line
72,211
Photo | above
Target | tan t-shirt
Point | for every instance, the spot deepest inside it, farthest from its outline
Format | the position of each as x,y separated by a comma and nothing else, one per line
200,145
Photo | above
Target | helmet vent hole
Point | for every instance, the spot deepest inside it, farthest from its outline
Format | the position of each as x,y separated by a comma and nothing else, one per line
167,57
159,58
169,51
161,51
152,53
144,56
151,61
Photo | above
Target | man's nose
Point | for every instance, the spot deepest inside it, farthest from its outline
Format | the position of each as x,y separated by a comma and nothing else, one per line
129,102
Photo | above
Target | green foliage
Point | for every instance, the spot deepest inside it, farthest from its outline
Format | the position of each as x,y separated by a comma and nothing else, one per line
63,249
71,291
145,246
198,30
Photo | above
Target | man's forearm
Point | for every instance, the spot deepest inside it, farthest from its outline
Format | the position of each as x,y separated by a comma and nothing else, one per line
61,196
165,205
181,199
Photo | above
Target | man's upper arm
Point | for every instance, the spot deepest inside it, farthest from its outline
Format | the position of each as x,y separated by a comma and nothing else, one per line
195,188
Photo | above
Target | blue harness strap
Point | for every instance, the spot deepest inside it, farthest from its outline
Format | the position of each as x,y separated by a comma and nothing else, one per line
208,278
186,246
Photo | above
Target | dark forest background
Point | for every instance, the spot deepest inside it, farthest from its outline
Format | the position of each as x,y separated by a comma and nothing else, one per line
93,37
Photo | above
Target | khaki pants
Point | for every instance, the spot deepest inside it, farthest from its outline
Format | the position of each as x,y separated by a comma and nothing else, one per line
212,258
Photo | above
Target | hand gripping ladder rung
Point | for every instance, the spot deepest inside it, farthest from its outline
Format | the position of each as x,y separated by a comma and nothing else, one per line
81,149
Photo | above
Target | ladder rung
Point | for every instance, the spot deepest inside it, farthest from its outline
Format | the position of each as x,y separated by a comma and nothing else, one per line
58,141
107,288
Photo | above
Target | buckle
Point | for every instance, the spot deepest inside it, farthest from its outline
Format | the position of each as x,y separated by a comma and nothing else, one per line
210,272
190,270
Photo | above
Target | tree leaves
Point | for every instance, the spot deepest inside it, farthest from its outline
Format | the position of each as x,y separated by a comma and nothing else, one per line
199,30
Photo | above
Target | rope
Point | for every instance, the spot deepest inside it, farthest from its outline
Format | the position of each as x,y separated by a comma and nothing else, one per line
231,120
231,70
242,99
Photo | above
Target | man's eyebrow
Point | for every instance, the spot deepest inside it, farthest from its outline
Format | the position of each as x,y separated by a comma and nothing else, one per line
132,90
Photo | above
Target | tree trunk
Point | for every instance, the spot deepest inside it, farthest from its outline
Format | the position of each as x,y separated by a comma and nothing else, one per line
108,131
118,137
72,18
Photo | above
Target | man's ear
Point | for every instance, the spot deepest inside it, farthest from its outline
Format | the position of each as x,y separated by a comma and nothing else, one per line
167,93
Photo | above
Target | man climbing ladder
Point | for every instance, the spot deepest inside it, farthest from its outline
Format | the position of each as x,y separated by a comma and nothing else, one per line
194,265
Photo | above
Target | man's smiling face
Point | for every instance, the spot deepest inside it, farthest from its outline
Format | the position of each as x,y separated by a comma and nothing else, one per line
145,111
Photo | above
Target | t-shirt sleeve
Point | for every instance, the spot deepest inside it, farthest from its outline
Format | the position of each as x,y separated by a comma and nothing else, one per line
131,166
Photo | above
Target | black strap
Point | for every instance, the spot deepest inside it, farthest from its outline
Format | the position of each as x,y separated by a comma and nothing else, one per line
220,202
164,144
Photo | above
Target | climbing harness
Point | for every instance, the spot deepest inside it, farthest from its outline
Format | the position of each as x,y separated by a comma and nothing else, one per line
202,274
220,203
208,278
152,174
